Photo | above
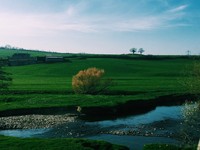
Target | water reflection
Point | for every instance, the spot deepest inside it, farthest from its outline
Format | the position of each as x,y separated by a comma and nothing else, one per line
25,133
160,113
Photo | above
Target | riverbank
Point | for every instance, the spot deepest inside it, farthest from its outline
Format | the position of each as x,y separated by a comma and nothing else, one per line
164,121
73,127
159,125
133,107
91,111
35,121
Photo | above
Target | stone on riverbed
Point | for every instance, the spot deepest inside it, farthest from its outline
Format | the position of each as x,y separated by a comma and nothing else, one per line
35,121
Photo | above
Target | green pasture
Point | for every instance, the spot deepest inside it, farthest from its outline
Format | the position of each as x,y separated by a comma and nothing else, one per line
47,85
13,143
127,74
17,101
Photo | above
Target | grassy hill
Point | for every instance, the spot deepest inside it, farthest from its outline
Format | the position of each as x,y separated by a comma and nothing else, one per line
135,78
128,74
9,52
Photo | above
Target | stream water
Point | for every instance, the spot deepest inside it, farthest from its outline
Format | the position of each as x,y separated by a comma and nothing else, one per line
161,125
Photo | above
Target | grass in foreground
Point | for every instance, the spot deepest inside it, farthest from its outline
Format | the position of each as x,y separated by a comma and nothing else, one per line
55,144
17,101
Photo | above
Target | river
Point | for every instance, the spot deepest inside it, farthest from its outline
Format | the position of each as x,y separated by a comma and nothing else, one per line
161,125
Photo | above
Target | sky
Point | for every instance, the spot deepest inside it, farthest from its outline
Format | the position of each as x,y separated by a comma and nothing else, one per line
161,27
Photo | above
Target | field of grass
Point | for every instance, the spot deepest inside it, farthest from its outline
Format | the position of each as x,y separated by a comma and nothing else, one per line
55,144
47,85
128,75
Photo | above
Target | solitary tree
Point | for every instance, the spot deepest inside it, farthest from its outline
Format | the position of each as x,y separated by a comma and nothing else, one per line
90,81
141,50
133,50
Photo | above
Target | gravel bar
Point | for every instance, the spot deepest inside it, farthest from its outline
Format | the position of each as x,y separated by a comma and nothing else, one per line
35,121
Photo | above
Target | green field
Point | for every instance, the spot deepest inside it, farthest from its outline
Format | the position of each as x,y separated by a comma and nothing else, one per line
12,143
128,75
47,85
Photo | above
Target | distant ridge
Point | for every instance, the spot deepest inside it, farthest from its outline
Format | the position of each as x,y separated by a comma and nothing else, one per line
8,52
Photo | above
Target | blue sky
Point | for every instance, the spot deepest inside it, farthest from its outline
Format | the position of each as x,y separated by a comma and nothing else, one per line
102,26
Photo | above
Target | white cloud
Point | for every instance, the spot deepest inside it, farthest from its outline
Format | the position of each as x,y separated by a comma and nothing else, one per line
139,24
36,25
165,19
70,11
12,24
178,9
75,27
77,18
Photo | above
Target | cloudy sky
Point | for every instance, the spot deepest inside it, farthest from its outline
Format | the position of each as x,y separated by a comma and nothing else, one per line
102,26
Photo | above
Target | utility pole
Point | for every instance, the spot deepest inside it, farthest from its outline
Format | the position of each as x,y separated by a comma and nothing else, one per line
188,52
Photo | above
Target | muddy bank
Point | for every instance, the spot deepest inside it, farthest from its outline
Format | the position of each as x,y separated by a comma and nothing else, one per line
132,107
100,113
35,121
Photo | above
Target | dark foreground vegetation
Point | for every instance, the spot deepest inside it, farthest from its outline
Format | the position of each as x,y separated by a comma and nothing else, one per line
55,144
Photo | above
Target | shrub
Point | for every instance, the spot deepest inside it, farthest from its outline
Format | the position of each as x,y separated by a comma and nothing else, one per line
191,123
190,129
90,81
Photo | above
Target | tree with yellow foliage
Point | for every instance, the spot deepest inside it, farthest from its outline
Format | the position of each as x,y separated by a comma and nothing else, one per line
90,81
